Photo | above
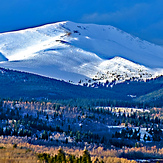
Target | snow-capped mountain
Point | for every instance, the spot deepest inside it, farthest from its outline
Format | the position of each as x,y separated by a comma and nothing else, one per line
84,53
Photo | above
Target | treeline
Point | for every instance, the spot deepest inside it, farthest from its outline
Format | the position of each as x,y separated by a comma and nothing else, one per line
24,125
61,157
87,103
84,158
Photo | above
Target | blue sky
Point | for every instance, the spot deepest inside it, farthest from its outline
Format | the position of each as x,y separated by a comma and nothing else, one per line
142,18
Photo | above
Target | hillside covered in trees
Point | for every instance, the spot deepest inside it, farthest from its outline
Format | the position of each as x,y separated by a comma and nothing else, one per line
16,85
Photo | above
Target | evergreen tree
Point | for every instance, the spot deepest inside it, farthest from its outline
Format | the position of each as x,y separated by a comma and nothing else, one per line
148,138
86,157
144,138
61,156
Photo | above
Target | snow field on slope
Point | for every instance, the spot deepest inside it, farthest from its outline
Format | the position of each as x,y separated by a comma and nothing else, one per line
73,51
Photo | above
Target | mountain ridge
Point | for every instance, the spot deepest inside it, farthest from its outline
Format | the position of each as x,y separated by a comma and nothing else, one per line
28,86
74,51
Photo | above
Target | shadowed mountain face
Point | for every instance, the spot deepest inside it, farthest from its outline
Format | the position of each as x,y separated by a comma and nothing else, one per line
15,85
75,52
2,58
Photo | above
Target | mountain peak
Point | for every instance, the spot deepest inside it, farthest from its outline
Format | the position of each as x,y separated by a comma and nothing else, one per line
74,51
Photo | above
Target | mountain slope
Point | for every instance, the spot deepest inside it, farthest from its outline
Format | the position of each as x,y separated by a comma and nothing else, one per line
2,58
16,84
80,52
155,98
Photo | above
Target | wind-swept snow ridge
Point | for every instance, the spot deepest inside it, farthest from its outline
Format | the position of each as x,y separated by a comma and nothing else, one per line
78,52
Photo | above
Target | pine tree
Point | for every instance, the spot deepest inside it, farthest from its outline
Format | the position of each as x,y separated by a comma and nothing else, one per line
144,138
61,156
148,138
86,157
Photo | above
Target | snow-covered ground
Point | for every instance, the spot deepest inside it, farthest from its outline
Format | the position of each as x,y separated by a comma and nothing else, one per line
142,132
80,52
122,110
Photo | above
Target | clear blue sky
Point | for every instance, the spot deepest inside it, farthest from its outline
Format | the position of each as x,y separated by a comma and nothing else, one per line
142,18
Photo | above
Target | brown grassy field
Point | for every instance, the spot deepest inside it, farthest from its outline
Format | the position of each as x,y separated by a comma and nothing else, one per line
27,153
17,155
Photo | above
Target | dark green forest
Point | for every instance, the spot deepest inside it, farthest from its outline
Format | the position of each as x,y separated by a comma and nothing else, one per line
27,86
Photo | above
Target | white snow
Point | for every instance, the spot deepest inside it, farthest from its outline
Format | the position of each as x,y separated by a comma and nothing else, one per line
73,51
